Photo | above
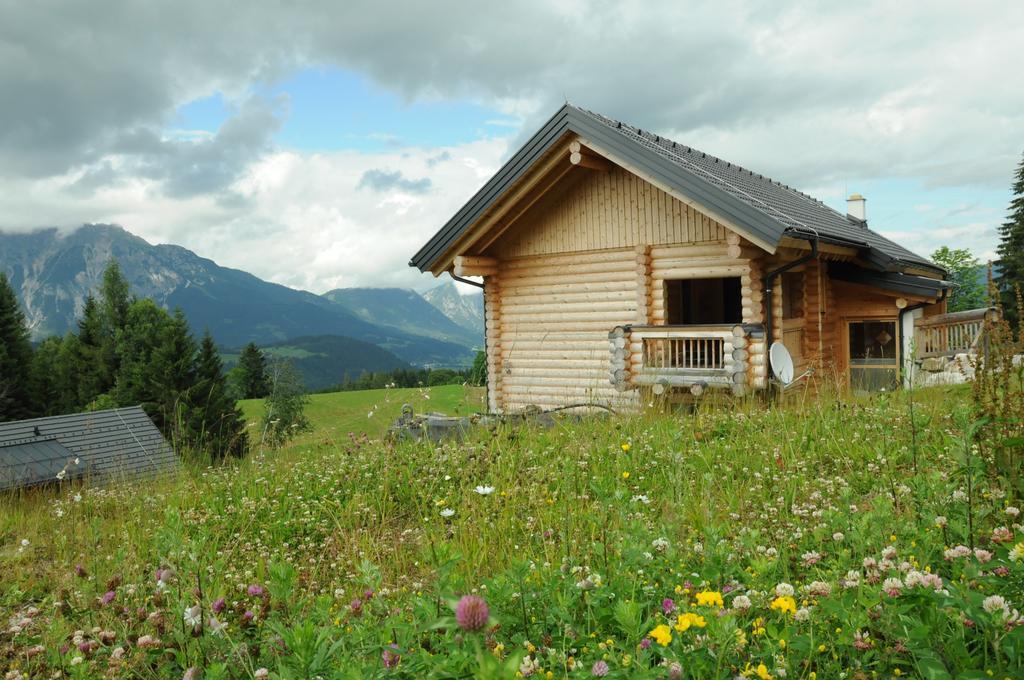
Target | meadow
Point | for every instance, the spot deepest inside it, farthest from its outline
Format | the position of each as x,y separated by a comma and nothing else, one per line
824,538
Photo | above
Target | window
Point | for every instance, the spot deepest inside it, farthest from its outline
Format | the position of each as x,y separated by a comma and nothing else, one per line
703,301
873,356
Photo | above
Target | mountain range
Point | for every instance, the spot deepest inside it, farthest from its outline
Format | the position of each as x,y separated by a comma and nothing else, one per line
53,272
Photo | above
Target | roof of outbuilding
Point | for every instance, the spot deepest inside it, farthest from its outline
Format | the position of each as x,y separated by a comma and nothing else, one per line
115,442
767,209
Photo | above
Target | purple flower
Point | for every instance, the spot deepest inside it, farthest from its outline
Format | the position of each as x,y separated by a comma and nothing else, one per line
84,647
390,656
248,616
645,643
368,594
219,605
80,571
256,591
599,669
668,606
108,597
471,613
356,606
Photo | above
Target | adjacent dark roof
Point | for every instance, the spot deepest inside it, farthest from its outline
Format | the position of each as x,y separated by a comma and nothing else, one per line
892,281
766,209
117,442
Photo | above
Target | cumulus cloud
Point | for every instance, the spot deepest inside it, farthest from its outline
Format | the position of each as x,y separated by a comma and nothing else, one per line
384,180
816,97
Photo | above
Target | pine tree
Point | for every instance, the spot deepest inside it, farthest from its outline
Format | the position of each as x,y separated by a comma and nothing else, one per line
95,376
253,368
114,304
172,375
15,356
219,425
1011,250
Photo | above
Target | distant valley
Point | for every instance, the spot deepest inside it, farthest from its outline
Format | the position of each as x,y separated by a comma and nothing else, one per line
348,330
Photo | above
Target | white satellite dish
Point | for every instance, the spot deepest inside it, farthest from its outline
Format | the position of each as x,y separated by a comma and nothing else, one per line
782,362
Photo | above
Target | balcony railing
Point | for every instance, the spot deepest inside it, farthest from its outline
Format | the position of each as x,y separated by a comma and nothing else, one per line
951,334
691,356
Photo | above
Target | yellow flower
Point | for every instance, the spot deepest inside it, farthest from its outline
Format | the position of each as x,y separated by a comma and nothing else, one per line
685,621
821,648
626,446
710,598
762,672
782,643
627,659
1017,553
784,604
625,475
897,672
662,635
549,675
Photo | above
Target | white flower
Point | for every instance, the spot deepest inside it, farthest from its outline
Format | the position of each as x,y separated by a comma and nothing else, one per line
193,616
261,674
838,536
802,614
77,660
24,543
77,498
62,474
484,490
996,603
660,544
941,521
960,496
642,498
447,512
217,627
784,590
741,603
77,461
1012,511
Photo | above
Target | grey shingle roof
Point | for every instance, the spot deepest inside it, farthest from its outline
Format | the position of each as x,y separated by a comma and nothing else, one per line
767,209
112,443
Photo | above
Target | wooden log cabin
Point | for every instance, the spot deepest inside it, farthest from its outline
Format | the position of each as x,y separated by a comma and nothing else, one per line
616,261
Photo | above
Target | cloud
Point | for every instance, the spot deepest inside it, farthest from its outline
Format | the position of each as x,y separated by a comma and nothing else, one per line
812,95
384,180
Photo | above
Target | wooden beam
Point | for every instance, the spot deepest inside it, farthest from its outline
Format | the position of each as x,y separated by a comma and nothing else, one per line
544,175
832,249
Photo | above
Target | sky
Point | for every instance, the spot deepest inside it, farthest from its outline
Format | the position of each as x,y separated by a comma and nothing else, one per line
320,144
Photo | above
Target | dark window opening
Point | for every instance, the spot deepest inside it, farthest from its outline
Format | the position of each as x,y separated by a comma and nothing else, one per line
703,301
792,295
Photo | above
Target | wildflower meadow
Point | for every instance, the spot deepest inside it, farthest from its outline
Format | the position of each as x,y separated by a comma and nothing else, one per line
876,537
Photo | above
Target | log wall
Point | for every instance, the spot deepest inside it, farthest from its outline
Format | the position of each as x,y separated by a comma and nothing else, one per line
603,210
550,341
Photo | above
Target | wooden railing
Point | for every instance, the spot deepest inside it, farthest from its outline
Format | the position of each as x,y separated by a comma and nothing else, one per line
950,334
693,357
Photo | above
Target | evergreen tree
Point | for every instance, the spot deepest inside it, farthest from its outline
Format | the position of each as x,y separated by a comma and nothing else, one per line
114,303
966,275
95,376
1011,250
172,375
15,357
219,424
253,373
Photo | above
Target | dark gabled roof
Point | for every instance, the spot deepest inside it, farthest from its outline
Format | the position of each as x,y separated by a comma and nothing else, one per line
766,209
116,442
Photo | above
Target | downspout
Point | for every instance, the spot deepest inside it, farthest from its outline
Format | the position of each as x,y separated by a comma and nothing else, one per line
899,325
769,279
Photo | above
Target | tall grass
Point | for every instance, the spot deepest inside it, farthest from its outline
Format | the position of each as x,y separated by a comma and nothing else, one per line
354,545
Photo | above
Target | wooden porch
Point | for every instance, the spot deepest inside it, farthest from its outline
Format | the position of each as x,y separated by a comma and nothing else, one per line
694,357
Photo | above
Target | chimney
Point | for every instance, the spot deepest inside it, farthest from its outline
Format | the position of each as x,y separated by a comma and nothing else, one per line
856,207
